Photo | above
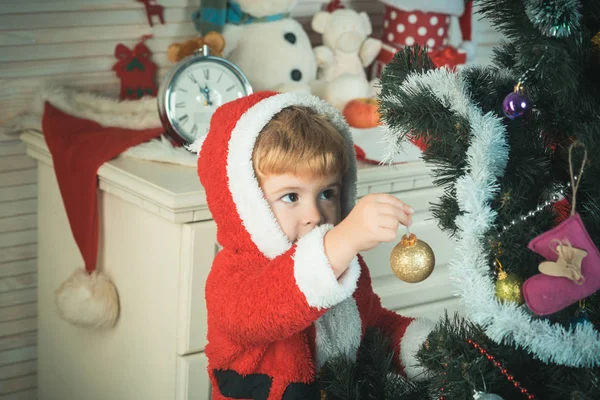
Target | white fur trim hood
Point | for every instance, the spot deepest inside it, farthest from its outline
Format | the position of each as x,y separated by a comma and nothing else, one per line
253,209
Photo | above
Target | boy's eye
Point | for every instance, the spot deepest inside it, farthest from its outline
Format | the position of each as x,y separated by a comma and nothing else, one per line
290,198
328,194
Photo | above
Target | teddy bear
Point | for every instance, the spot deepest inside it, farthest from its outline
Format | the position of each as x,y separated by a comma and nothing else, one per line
272,49
346,51
178,51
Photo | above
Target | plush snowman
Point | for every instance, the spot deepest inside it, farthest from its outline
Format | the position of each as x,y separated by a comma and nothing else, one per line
426,23
272,49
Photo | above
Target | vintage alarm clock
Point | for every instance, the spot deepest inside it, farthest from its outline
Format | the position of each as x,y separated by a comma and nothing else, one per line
194,89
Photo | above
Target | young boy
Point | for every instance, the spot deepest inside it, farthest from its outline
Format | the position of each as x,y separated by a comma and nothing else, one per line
288,291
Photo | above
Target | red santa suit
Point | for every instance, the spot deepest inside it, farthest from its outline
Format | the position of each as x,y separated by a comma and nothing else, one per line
276,312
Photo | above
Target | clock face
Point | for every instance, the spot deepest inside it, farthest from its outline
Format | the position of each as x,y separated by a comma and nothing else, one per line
197,90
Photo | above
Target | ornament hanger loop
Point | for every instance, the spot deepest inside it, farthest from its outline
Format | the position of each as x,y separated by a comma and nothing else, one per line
576,180
518,89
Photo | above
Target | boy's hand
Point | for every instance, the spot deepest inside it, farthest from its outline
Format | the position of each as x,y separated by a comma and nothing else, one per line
375,219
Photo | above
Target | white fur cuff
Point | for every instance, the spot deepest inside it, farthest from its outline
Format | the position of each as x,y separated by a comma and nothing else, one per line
314,275
413,338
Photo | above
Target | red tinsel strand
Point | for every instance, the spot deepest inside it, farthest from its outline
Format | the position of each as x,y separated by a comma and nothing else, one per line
503,371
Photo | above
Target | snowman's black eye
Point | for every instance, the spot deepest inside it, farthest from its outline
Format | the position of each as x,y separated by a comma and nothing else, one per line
290,37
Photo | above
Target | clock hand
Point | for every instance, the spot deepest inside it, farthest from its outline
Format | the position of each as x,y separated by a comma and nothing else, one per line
206,91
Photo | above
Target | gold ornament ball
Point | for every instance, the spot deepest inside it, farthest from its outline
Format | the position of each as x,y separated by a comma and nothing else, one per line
596,47
508,287
412,260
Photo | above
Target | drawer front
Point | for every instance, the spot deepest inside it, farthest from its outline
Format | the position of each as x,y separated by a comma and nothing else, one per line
192,378
434,311
198,250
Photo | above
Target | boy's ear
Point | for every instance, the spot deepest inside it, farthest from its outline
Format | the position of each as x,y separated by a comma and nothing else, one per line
320,21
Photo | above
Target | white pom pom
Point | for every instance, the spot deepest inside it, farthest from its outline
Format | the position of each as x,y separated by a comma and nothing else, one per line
88,300
470,49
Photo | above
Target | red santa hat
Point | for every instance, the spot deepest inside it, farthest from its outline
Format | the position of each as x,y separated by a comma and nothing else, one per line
466,30
79,145
465,22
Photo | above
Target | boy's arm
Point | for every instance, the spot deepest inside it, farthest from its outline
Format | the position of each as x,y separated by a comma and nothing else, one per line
407,334
254,304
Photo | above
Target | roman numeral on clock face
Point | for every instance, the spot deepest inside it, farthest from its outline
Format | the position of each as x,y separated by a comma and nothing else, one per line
206,73
194,129
181,104
183,119
230,88
192,78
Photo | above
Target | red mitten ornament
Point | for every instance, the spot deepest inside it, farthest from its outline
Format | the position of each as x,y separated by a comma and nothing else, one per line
136,70
572,271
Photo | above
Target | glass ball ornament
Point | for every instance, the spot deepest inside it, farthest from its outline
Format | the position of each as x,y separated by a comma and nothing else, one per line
412,260
516,105
486,396
509,288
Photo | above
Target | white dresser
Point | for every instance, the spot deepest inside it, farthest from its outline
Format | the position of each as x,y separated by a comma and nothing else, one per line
157,243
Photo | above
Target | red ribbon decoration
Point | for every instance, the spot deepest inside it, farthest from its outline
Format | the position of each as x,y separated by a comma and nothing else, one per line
124,54
137,79
447,56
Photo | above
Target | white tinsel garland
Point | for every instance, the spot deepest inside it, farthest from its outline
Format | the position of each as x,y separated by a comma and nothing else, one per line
486,159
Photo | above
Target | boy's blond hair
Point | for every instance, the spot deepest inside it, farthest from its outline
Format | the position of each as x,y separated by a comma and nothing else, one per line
299,141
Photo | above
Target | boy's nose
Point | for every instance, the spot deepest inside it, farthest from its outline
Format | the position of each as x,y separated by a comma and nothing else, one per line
313,215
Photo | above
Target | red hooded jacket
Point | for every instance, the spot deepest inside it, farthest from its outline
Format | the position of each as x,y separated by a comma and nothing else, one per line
276,312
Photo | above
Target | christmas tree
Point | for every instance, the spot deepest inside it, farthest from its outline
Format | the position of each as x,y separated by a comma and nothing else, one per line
515,146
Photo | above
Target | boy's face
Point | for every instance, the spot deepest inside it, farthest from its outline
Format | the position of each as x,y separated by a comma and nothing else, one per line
301,204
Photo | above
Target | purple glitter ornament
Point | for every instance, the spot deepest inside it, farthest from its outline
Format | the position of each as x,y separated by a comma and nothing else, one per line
515,105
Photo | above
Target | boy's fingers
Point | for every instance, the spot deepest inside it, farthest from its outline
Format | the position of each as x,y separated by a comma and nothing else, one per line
389,209
393,200
389,222
402,217
389,235
406,220
395,213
